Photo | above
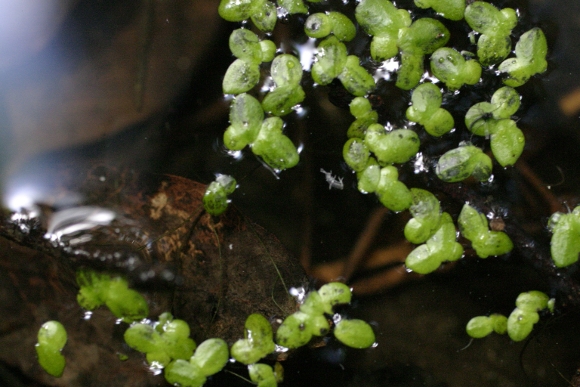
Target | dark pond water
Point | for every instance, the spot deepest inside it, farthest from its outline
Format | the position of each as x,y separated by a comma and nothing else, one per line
138,83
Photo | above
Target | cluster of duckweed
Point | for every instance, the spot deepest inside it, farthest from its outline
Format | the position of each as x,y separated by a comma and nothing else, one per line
520,322
373,150
168,347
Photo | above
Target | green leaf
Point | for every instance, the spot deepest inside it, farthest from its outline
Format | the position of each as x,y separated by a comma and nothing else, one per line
330,60
258,342
52,334
485,18
531,51
313,304
265,16
125,303
355,78
211,356
426,212
268,50
506,102
499,322
495,28
393,193
246,117
294,331
492,49
460,163
368,179
479,327
286,70
483,117
342,27
532,301
183,373
396,146
449,66
479,119
423,37
262,374
282,99
449,9
410,71
240,77
51,360
245,45
565,242
440,247
215,199
360,107
334,293
293,6
426,110
471,223
236,10
356,154
143,338
377,17
520,324
274,147
354,333
507,142
474,227
493,243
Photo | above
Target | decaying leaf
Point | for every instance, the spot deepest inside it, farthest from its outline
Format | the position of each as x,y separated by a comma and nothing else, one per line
210,271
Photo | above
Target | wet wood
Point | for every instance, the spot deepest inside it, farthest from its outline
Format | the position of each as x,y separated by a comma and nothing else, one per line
210,271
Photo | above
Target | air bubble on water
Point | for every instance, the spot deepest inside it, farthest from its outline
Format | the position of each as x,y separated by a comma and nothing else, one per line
456,92
87,315
336,318
427,76
387,69
300,148
301,112
375,344
389,126
298,293
156,368
280,349
281,12
268,85
420,165
306,53
236,155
